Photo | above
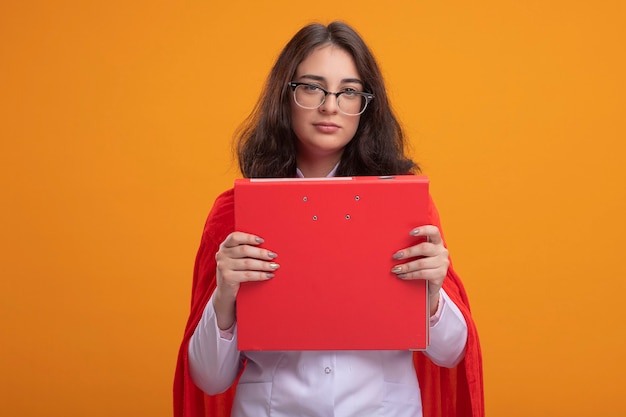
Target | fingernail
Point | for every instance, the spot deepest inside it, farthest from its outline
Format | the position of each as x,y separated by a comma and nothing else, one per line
259,240
271,255
414,232
396,269
398,255
274,265
401,275
269,275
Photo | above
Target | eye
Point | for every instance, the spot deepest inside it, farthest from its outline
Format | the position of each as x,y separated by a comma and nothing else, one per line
349,92
311,88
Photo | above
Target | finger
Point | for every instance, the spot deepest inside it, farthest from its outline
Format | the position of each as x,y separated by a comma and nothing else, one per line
245,276
241,238
424,249
249,264
433,275
430,232
430,274
243,245
418,265
242,270
246,251
422,264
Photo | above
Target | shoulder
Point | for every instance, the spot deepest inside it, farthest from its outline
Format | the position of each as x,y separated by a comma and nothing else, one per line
224,204
226,200
226,197
221,219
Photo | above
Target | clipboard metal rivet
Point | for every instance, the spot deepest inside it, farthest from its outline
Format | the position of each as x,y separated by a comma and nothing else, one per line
357,198
347,217
314,217
304,198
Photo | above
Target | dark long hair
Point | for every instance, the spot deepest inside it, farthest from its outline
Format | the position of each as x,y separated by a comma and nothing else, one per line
266,143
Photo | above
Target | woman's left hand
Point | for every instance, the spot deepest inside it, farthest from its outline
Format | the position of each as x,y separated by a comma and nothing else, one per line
431,264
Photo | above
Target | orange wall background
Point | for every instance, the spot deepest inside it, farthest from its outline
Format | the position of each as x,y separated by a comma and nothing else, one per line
115,123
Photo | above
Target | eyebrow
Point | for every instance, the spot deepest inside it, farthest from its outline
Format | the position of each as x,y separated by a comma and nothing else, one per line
320,78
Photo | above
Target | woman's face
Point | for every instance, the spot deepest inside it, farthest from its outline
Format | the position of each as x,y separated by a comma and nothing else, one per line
324,132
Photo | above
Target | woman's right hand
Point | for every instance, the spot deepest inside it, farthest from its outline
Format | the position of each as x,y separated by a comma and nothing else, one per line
239,259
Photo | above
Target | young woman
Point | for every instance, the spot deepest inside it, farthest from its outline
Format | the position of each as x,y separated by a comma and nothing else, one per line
324,112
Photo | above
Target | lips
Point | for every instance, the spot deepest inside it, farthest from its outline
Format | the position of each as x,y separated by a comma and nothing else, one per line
326,127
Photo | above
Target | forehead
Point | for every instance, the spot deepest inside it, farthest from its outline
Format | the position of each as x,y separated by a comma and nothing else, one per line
330,62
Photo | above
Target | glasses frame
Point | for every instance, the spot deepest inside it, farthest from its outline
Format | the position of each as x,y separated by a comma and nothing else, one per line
368,96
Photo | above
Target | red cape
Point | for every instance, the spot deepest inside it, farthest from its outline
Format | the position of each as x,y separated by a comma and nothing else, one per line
445,392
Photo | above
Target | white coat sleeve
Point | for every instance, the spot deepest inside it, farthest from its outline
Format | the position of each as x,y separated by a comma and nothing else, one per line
214,361
448,334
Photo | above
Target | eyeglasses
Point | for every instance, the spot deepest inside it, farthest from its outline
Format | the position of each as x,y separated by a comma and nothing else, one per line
311,96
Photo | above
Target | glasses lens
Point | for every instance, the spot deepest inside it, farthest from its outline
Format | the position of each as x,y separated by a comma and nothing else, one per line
351,103
308,96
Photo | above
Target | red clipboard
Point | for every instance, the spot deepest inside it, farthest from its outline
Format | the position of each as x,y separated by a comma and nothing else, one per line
335,238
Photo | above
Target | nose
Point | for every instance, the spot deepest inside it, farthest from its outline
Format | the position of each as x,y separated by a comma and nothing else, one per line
330,104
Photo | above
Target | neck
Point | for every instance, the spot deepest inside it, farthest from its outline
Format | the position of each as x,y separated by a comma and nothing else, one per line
317,168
